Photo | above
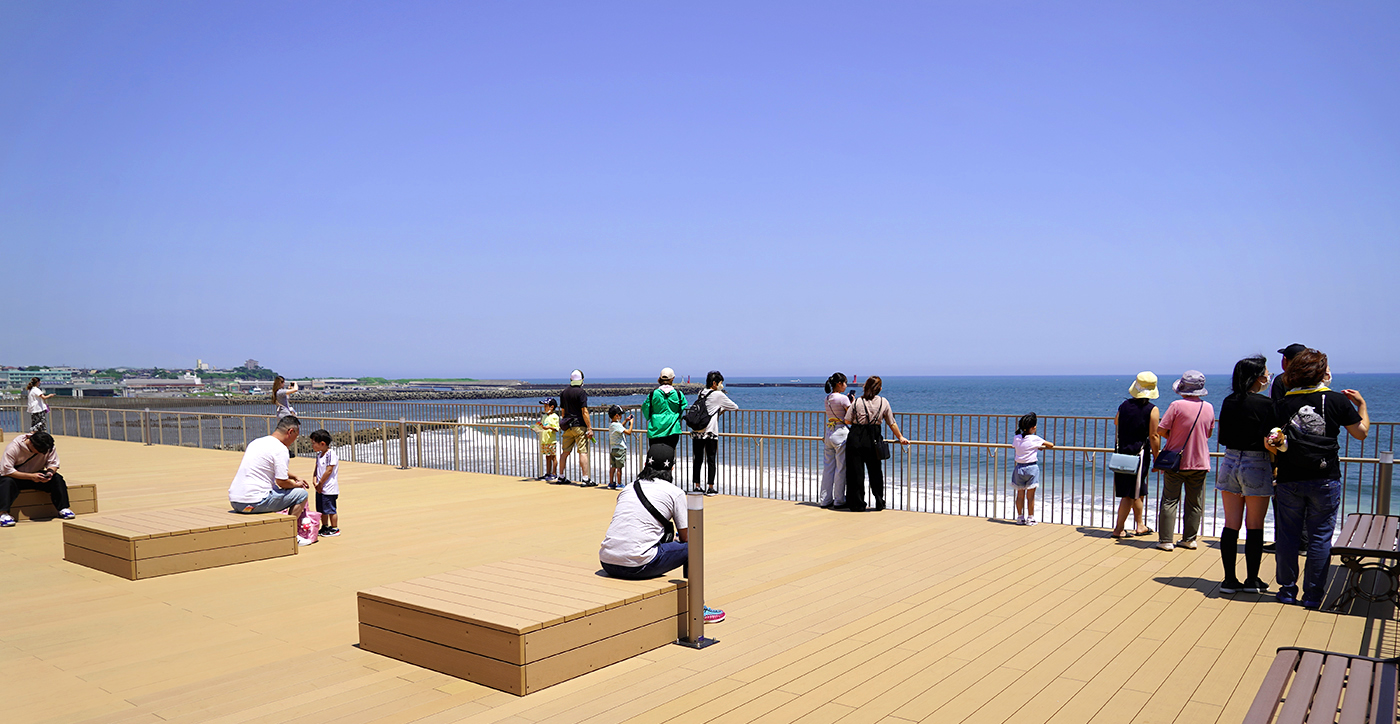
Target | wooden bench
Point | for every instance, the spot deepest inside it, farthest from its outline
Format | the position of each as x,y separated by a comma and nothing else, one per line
151,543
521,625
1323,686
36,504
1369,550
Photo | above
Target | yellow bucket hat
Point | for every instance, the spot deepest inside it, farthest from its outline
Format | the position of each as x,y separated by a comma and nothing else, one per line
1144,387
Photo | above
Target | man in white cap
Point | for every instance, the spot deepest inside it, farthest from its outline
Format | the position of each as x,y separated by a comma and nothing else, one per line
577,428
662,411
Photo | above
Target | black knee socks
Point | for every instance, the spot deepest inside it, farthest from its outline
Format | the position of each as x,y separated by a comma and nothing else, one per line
1253,551
1229,545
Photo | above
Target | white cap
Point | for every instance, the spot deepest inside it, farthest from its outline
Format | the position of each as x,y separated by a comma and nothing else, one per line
576,378
667,373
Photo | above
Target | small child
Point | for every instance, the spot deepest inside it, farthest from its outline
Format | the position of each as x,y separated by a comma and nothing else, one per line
327,484
617,445
548,430
1026,476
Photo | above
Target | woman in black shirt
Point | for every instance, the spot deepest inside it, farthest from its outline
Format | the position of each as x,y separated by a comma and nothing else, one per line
1135,428
1245,478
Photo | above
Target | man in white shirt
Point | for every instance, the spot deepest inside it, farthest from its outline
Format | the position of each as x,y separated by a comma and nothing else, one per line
263,484
632,548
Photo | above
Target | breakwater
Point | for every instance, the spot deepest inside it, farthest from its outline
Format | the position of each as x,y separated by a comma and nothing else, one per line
526,394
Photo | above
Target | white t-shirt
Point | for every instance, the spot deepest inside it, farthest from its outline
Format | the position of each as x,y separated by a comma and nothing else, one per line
634,533
1027,447
284,403
715,401
329,460
36,400
264,462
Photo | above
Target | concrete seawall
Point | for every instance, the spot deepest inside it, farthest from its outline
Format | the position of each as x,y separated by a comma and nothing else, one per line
524,395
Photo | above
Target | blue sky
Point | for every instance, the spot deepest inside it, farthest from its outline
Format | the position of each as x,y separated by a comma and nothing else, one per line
517,189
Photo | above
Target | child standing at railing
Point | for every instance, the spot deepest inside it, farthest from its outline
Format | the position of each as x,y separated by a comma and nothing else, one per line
1025,478
327,483
617,445
548,430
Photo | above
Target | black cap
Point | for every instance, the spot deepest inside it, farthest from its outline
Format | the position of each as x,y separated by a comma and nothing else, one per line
1292,350
661,456
614,410
549,402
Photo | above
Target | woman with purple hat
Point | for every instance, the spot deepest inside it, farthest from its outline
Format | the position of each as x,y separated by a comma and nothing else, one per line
1185,460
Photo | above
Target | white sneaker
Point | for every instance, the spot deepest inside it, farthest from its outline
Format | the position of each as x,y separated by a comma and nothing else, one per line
6,520
1020,520
1030,520
67,514
304,541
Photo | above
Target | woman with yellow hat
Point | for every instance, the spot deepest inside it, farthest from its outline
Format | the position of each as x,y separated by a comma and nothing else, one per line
1135,425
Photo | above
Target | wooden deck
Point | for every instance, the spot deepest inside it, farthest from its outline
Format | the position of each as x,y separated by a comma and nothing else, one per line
832,616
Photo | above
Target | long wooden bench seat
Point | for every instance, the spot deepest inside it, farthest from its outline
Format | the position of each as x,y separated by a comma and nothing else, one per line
36,504
1369,546
521,625
1323,686
150,543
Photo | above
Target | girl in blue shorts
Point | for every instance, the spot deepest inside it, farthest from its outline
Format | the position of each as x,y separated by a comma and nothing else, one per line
1025,478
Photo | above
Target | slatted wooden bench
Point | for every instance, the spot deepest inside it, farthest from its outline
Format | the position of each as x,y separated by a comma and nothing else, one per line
1370,551
1323,686
521,625
150,543
36,504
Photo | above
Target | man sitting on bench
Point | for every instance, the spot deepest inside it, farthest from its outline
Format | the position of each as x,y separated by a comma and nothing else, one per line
649,512
263,484
31,463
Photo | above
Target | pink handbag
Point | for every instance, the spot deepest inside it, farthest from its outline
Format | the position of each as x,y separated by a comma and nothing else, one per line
309,525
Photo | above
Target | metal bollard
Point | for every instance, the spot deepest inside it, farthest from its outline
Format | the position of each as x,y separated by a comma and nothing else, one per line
695,584
403,444
1387,465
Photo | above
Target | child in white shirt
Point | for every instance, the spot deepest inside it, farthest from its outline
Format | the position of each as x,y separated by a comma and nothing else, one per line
1025,477
326,482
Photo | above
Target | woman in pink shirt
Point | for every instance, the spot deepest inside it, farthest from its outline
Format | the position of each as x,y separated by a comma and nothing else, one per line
1186,428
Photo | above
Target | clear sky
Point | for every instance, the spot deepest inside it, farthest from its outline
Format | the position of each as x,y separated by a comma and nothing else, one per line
516,189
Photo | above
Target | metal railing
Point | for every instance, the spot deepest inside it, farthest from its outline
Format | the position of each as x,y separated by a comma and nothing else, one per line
957,463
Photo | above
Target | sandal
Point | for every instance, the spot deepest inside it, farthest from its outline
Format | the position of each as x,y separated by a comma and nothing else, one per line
1120,535
1149,531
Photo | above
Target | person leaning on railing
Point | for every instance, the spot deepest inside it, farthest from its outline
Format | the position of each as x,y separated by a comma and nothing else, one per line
870,410
1309,487
1135,426
1245,478
662,411
833,484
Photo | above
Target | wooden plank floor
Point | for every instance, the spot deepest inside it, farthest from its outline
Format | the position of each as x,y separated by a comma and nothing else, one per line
832,616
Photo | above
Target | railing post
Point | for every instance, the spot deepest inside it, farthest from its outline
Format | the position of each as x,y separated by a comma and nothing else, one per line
419,440
146,426
1387,464
403,444
762,484
456,443
496,457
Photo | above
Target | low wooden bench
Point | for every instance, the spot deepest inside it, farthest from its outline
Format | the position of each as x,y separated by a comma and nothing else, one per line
1370,550
150,543
521,625
36,504
1323,686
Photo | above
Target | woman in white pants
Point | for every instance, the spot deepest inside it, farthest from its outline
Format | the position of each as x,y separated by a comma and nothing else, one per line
833,485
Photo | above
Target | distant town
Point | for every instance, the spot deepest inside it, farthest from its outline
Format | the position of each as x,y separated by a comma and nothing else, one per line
202,380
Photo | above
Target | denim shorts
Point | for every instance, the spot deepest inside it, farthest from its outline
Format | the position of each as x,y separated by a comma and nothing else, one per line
1026,476
325,504
1245,472
278,499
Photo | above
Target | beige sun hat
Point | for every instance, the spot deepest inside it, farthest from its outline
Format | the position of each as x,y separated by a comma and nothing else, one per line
1144,387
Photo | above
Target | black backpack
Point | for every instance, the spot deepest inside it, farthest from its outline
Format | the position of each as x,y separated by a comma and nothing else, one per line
698,415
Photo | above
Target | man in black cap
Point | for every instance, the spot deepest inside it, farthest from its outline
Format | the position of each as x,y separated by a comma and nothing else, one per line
649,513
1280,384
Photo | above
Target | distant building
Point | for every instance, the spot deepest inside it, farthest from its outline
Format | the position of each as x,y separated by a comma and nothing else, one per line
251,364
183,383
200,365
55,376
332,384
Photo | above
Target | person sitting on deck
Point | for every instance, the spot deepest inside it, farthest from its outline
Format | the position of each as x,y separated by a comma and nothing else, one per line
263,484
649,512
31,463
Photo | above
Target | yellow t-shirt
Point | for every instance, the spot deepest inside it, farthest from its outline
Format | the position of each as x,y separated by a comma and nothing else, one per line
549,429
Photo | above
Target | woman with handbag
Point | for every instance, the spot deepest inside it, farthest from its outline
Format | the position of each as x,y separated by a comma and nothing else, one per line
1135,425
832,492
1185,461
1246,475
866,449
1309,487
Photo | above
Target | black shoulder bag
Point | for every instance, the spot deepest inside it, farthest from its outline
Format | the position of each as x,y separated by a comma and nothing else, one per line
668,530
1312,454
